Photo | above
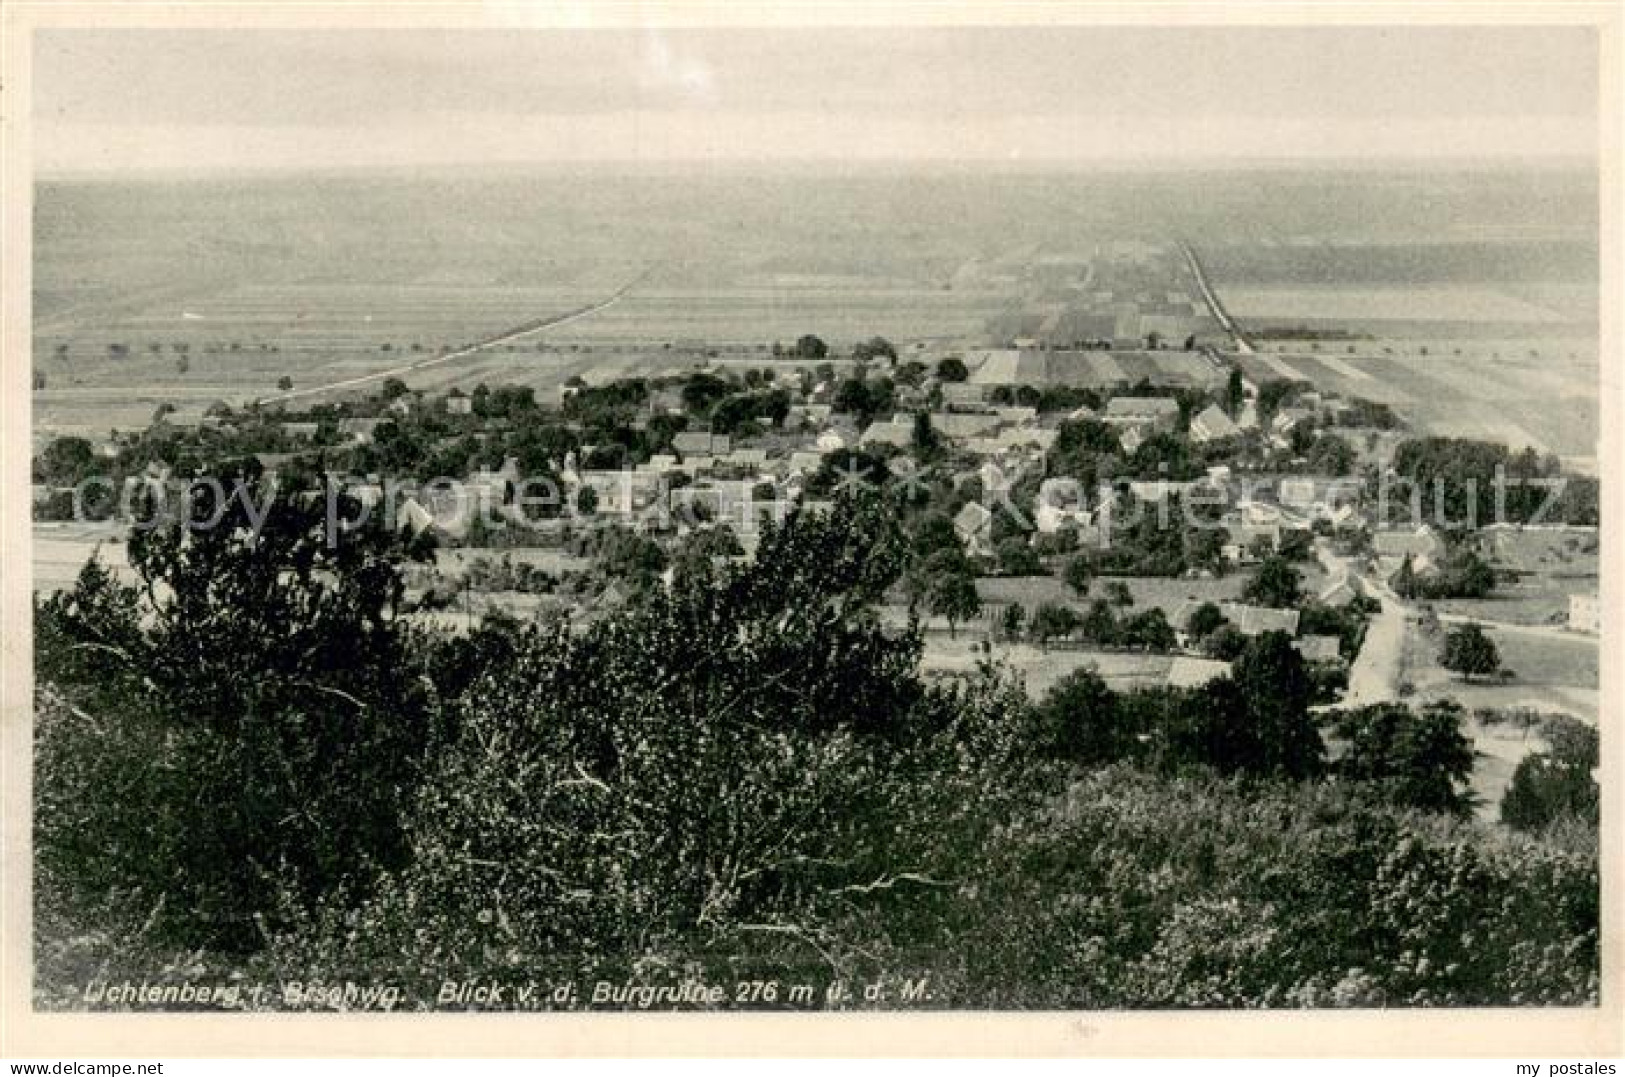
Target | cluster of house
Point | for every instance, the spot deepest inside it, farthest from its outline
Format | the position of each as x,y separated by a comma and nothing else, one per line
708,477
1258,512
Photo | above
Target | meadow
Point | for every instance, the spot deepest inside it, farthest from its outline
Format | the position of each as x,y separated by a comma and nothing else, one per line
1553,672
1549,566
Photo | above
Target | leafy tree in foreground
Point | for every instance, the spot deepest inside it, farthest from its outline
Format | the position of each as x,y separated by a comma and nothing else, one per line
1193,891
242,727
739,765
1420,759
1557,783
1012,621
1276,691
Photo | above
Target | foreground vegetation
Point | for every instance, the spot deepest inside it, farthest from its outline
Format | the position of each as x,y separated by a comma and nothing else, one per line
251,763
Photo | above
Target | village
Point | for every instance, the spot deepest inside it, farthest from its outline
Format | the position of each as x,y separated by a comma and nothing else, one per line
1139,511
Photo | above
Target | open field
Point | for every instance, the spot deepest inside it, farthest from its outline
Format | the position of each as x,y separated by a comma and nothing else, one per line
1039,670
1094,369
1159,591
1552,564
1505,394
62,549
757,314
1371,309
1553,669
1555,673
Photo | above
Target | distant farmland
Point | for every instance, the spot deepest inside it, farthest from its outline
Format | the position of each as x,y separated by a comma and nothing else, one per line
1437,310
1544,400
185,292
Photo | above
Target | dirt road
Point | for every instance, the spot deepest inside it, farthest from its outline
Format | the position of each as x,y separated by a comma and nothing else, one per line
1374,676
518,333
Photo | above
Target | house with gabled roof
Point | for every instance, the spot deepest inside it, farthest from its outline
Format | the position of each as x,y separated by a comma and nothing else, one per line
1340,592
701,443
1255,620
1212,424
974,526
1319,648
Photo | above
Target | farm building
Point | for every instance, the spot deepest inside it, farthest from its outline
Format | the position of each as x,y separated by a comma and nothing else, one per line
746,458
1060,503
270,461
1148,412
1585,614
960,425
1153,490
1017,414
835,439
734,502
666,401
619,493
414,517
659,462
804,463
898,431
1021,437
1288,418
697,465
808,414
1297,493
360,431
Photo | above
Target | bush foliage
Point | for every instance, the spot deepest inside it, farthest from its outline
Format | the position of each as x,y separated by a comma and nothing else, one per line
249,759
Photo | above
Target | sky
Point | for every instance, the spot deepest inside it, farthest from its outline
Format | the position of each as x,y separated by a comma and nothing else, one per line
138,99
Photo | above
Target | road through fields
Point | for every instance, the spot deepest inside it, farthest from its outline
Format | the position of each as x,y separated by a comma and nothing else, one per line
504,337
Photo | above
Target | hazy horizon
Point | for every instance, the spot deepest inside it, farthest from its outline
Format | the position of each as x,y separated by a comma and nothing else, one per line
822,167
1065,97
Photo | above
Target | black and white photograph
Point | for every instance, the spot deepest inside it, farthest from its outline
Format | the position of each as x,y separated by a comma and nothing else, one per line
557,515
